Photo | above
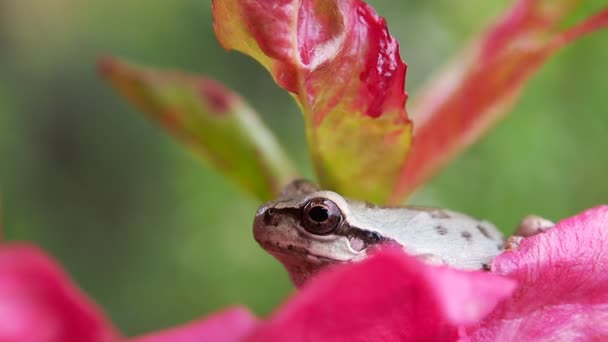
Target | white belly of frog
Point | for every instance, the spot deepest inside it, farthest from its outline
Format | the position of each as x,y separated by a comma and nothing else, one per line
307,229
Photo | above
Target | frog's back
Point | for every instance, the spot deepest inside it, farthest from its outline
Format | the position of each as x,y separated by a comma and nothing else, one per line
441,235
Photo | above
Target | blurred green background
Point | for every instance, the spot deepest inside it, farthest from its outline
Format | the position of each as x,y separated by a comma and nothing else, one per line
156,237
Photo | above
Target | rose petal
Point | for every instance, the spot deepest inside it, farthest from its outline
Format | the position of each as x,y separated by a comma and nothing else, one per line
563,277
38,302
388,297
476,91
228,325
344,68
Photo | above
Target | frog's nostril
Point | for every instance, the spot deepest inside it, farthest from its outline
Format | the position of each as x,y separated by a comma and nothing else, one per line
266,216
269,218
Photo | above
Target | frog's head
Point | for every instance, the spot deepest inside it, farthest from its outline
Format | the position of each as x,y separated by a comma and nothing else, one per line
307,229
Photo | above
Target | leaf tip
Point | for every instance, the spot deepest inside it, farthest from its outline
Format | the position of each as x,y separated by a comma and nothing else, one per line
107,64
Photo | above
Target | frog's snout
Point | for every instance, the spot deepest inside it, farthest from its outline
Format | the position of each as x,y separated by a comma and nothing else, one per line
262,210
265,225
258,221
265,217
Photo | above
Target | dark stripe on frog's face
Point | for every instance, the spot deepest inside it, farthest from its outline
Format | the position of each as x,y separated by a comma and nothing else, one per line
294,214
273,216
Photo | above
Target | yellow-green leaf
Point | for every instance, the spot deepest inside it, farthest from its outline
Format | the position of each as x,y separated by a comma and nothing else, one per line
343,67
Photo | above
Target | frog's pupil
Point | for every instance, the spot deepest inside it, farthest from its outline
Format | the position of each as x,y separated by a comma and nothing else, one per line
318,214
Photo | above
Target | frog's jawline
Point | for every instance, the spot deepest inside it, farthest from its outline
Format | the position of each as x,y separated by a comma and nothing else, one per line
300,264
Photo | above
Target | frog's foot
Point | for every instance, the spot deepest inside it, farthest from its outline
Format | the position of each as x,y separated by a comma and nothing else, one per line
513,242
431,259
529,226
532,225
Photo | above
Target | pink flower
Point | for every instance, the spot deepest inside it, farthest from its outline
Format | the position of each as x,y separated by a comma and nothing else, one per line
229,325
389,297
553,287
563,277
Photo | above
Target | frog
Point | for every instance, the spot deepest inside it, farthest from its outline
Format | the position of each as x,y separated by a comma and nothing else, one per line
308,229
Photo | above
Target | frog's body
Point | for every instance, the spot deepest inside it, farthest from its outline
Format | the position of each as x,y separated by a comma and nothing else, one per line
308,228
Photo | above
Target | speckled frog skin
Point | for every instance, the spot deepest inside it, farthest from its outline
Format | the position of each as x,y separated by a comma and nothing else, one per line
308,228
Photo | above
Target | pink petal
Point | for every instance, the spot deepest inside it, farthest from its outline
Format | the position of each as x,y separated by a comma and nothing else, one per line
389,297
38,302
563,277
476,90
229,325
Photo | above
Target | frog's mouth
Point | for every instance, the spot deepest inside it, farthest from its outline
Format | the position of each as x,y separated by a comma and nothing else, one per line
295,253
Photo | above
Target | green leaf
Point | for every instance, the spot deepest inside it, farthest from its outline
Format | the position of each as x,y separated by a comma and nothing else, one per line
224,129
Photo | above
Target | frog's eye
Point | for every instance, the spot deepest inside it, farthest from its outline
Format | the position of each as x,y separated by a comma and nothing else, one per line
321,216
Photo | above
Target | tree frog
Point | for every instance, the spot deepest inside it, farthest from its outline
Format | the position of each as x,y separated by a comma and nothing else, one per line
308,228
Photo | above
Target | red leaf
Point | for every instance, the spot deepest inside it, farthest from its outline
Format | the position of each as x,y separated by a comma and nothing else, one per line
38,302
342,65
475,92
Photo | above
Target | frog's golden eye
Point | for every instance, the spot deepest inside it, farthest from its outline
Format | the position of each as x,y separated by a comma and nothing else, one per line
321,216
